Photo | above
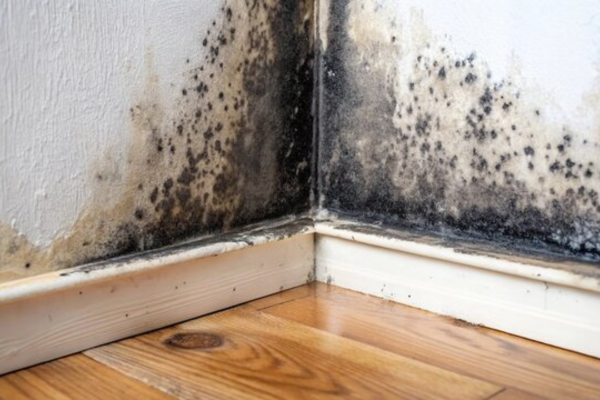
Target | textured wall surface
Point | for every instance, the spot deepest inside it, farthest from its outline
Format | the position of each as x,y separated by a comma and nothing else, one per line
476,119
132,125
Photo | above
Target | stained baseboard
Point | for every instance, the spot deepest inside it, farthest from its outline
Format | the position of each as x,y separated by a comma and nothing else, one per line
552,304
64,312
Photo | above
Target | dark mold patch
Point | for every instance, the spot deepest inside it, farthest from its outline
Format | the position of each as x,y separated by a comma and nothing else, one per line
407,133
234,149
236,167
504,248
279,229
413,136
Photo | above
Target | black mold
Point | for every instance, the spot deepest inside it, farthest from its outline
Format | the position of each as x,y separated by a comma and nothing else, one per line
260,154
470,78
241,156
410,188
278,229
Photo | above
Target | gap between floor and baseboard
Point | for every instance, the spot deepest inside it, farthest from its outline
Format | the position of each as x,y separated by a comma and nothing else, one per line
63,312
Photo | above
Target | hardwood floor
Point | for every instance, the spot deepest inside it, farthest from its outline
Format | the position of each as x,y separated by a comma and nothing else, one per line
74,377
316,341
482,353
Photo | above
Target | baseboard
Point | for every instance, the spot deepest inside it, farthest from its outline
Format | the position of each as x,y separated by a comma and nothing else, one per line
60,313
547,303
63,312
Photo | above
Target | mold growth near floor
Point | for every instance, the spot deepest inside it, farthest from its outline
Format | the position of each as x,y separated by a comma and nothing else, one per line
416,135
234,149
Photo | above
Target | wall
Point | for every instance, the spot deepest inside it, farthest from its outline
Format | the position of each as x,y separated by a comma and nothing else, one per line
464,118
132,125
128,126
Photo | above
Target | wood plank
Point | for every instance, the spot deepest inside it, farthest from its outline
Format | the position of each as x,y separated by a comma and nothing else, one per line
300,292
479,352
75,377
242,353
513,394
164,291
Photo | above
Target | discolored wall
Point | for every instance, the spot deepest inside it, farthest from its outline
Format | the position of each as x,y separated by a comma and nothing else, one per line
129,126
135,125
463,119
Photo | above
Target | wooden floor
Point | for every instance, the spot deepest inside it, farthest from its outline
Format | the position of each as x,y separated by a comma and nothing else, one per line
316,341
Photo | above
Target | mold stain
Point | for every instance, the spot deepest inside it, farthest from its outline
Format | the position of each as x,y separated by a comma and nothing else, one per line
234,149
415,135
412,134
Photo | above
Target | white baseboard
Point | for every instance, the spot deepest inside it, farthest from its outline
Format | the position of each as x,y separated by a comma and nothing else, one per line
550,305
60,313
56,314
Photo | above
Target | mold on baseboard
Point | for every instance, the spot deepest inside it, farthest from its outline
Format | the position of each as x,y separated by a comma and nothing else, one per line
191,251
509,257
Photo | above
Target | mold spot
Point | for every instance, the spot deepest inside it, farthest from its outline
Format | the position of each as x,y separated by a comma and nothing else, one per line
139,214
442,73
470,78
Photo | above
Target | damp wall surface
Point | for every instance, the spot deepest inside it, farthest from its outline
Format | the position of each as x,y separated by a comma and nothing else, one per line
467,119
133,125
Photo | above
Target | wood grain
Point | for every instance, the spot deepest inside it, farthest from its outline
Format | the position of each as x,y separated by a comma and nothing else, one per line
478,352
300,292
262,356
75,377
514,394
316,341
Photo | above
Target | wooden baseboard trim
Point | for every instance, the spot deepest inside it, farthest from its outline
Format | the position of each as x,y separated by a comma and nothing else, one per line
57,314
63,312
551,305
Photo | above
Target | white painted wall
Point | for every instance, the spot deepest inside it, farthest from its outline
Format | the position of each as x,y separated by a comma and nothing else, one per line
70,70
554,45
